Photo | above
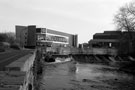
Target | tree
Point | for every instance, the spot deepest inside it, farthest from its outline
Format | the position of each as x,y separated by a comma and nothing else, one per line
3,37
125,20
11,37
7,37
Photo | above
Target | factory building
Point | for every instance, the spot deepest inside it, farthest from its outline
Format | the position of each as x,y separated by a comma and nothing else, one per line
31,36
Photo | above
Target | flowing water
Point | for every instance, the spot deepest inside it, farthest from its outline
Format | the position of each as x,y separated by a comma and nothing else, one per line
80,76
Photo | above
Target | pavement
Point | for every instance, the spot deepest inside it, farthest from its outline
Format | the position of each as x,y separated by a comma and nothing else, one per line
8,57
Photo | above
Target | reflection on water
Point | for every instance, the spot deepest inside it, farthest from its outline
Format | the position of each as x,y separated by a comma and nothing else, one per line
66,75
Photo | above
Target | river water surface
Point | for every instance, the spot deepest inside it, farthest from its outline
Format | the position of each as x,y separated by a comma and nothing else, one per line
80,76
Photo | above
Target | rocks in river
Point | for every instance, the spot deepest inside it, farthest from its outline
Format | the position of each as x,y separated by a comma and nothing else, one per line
86,80
89,81
49,58
116,79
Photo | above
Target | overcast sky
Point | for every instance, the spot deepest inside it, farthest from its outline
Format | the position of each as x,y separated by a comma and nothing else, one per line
82,17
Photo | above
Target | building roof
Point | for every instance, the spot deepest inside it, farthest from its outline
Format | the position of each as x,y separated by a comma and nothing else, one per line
112,32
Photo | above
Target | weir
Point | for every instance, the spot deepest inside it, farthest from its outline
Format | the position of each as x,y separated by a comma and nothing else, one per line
67,73
111,60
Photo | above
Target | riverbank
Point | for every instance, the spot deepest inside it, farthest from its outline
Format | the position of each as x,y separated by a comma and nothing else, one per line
16,75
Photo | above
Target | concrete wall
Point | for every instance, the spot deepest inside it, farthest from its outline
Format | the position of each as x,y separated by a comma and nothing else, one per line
18,75
27,67
29,63
21,35
31,38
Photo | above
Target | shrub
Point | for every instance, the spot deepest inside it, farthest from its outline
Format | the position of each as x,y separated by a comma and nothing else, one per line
15,46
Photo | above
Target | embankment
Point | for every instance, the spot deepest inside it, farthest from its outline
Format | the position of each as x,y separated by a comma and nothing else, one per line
18,75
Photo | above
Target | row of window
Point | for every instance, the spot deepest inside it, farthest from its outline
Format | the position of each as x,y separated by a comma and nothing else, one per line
56,38
52,38
110,45
41,30
44,44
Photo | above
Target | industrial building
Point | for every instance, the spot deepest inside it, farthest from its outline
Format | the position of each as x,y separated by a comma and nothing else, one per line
31,36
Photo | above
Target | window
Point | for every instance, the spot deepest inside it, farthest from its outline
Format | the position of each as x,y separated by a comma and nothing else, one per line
43,30
38,30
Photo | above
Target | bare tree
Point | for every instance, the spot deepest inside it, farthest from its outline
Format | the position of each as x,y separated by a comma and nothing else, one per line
125,20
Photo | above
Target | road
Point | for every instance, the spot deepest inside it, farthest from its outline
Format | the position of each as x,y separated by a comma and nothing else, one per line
82,76
10,56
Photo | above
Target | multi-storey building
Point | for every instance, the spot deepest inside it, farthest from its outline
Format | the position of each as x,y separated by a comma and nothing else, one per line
30,36
106,39
113,42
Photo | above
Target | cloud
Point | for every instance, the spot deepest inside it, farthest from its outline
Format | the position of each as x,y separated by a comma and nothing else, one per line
84,17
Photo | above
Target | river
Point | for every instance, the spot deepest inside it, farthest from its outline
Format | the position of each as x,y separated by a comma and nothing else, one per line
81,76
